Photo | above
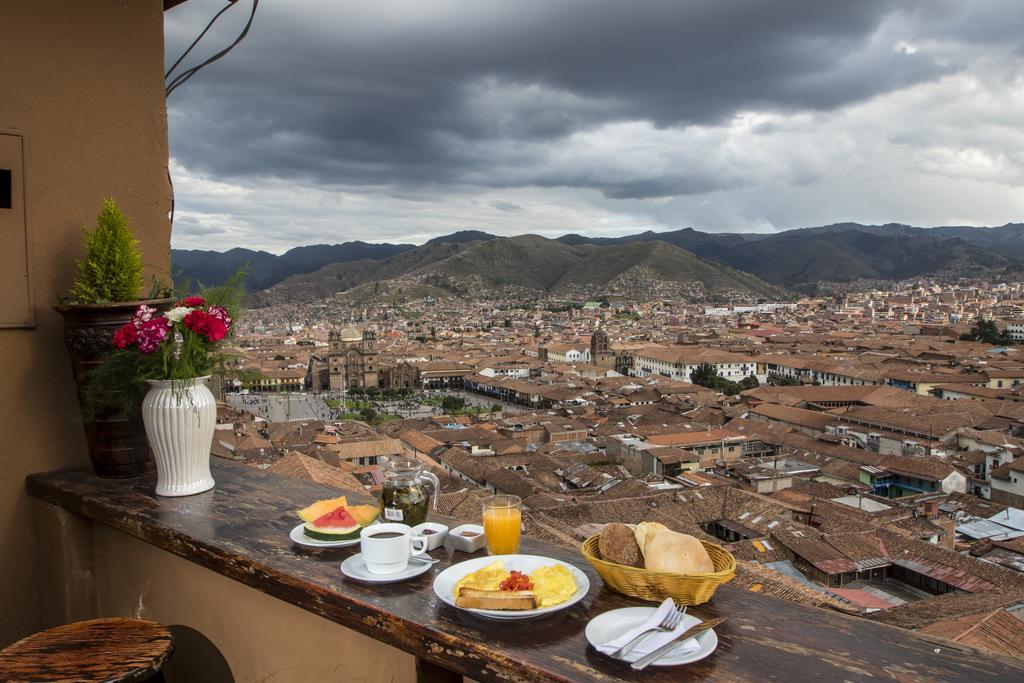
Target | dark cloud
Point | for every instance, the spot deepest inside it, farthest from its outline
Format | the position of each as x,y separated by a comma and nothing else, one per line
350,93
507,207
400,119
192,226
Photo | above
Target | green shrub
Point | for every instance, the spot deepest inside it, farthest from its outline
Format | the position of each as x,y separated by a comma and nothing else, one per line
112,268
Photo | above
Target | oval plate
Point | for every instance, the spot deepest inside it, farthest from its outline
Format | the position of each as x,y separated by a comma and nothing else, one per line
444,584
299,538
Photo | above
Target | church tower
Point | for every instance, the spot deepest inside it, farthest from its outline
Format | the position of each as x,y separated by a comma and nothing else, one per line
601,353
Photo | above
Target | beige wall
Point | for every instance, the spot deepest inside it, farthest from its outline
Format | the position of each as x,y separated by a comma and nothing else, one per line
90,570
262,638
83,82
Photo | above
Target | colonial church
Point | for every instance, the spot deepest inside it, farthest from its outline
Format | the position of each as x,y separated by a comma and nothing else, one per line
352,359
601,353
605,357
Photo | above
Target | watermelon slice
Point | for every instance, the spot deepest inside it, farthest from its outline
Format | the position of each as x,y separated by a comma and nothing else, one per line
337,525
321,508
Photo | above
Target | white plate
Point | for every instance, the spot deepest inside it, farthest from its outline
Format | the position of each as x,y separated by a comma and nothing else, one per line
611,625
444,583
300,538
355,568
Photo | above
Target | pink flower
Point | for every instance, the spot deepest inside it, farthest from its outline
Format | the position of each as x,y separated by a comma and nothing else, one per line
142,314
152,333
191,301
126,335
221,313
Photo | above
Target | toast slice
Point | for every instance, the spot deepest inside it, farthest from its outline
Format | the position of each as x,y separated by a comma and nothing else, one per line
473,598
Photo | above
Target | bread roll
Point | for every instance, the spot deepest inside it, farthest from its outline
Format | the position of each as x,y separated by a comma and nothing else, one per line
644,532
669,551
617,544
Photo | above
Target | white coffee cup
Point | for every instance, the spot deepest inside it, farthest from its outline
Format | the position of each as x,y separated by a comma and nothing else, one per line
387,548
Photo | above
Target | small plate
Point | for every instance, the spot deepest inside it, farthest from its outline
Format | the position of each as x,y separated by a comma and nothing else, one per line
468,544
611,625
435,539
355,568
299,538
444,584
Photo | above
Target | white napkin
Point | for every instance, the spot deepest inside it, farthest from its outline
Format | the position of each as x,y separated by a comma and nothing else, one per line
655,639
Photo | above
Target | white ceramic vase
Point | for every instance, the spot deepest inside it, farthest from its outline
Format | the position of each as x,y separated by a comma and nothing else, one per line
180,416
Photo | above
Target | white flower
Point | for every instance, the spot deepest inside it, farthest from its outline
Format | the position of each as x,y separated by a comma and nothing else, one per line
178,314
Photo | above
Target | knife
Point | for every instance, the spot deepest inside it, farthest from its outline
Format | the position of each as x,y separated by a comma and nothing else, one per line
663,650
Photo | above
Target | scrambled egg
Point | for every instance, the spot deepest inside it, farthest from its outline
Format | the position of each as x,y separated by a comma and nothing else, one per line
552,585
487,579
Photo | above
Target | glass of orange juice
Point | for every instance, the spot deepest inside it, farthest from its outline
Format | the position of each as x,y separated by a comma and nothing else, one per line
503,518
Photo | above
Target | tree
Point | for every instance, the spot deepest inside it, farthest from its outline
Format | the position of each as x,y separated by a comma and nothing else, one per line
368,414
112,268
495,407
988,332
705,375
372,392
749,382
452,404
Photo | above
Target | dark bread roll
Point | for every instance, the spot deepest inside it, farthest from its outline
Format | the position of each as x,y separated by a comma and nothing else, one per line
618,544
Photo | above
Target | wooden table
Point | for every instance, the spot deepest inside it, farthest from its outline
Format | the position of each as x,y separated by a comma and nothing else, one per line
242,533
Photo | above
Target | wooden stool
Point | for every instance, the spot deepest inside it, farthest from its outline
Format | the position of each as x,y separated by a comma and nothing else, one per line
95,650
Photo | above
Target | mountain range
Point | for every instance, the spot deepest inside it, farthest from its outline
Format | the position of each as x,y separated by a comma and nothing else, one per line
756,263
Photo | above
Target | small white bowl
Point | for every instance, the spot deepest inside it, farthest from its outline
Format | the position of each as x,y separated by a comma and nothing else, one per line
435,539
468,544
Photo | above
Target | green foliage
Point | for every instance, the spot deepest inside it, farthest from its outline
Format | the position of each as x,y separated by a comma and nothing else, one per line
988,332
495,407
112,268
368,414
118,382
749,382
785,382
704,374
452,404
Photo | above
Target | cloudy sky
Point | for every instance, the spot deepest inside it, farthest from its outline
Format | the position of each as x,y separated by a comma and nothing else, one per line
399,120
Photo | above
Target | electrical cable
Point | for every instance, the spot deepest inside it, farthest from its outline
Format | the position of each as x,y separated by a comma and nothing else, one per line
196,41
181,78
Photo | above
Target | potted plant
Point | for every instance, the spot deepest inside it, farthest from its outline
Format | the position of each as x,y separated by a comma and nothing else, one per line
175,354
106,290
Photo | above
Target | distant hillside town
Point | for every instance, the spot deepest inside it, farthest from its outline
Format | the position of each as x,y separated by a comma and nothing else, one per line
860,452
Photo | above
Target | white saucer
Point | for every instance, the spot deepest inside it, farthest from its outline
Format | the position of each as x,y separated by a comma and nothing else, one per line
300,538
612,624
355,568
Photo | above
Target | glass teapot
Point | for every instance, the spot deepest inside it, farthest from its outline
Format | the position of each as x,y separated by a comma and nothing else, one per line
404,496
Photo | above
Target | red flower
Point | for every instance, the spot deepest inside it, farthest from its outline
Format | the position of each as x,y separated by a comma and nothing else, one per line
206,325
222,313
191,301
126,336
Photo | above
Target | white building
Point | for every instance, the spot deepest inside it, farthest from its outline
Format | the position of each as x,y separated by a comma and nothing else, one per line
678,363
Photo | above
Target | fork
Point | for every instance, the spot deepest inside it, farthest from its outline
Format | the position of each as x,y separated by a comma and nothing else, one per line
669,623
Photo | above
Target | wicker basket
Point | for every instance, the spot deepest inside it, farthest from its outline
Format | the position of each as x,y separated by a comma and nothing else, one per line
685,589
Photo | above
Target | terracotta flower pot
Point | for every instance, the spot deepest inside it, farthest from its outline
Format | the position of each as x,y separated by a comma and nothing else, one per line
117,441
